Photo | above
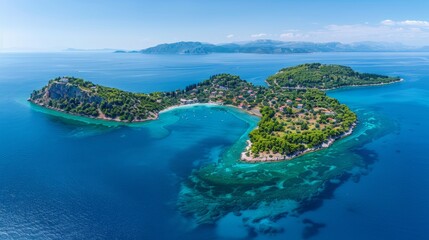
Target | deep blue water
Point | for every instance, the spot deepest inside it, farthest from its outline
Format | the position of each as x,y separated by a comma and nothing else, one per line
65,179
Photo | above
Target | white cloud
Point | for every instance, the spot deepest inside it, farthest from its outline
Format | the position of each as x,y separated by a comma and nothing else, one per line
382,32
294,36
411,32
258,35
230,36
413,23
388,22
287,35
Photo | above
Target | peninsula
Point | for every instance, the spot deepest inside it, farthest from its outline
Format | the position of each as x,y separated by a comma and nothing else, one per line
296,115
325,77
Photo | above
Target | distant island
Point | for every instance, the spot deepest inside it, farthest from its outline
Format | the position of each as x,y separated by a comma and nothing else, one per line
266,46
296,116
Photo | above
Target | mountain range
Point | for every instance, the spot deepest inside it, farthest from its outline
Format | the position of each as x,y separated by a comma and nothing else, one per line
274,47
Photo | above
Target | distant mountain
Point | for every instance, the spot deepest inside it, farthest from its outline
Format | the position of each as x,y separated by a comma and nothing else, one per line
267,46
181,48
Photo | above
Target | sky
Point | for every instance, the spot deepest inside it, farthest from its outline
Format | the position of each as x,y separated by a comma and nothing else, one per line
52,25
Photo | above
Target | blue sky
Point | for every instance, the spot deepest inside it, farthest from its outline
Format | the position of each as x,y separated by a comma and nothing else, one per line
131,24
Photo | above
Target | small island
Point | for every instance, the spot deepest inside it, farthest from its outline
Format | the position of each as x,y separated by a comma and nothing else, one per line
296,115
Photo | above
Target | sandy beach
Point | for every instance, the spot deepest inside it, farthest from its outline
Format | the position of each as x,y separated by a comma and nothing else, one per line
210,104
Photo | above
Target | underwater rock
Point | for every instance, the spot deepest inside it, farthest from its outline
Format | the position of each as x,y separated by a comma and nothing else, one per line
311,228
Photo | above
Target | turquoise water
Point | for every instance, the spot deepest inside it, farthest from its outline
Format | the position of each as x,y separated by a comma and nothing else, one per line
66,178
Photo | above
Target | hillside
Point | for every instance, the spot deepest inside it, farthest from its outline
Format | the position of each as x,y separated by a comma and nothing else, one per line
79,97
180,48
321,76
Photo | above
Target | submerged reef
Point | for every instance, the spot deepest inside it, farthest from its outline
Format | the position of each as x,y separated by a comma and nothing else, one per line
281,188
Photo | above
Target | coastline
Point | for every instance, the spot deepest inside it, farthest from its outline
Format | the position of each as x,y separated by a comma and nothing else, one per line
118,121
101,120
364,85
342,87
243,157
278,157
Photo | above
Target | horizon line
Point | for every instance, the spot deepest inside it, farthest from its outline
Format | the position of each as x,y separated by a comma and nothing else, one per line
107,49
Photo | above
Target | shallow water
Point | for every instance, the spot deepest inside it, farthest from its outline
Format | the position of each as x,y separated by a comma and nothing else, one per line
62,178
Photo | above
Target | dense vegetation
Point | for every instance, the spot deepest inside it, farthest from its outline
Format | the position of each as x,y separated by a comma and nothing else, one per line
76,96
292,119
286,128
321,76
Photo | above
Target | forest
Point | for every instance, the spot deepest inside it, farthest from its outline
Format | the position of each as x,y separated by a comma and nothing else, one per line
322,76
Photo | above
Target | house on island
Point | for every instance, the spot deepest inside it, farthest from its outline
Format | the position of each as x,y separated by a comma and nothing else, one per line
64,80
188,101
331,120
281,108
212,94
328,112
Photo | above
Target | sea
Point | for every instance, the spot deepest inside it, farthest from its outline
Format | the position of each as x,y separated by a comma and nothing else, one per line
65,177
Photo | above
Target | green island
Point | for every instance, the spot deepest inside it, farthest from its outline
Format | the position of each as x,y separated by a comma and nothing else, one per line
322,76
293,120
296,117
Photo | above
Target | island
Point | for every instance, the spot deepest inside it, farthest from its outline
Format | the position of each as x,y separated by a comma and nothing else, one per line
296,116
